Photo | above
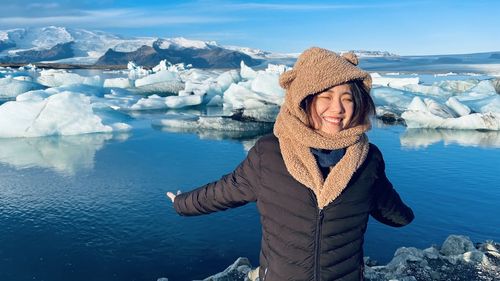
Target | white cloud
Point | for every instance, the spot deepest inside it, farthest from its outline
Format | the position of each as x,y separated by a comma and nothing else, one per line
113,18
51,5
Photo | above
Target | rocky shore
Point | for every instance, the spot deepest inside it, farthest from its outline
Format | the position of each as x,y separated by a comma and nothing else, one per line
458,259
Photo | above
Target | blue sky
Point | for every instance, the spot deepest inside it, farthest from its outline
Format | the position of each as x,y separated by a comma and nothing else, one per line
401,27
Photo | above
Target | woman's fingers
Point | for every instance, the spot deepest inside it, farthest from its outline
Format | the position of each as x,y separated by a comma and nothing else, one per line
171,196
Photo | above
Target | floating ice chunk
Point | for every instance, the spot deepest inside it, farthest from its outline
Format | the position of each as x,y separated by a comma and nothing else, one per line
157,102
457,85
432,90
397,100
161,88
422,114
36,95
438,109
393,82
216,101
459,108
264,113
149,103
227,78
118,83
162,76
11,88
222,123
29,67
58,77
246,72
417,104
277,68
267,84
136,71
481,121
120,99
480,102
445,74
60,114
161,66
484,86
238,96
23,78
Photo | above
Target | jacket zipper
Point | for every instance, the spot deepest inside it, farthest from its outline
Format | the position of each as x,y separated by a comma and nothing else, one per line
265,274
317,246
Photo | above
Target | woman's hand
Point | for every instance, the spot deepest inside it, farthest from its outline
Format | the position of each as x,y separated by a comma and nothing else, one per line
172,196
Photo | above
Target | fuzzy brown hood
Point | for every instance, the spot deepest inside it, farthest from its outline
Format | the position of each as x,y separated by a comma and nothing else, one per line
315,71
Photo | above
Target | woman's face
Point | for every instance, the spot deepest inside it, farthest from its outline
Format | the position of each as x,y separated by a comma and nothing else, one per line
332,110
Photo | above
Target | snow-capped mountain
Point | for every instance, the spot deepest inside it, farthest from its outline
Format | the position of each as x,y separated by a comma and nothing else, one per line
79,46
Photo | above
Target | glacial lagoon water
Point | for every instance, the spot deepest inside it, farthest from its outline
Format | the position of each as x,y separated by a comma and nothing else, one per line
92,207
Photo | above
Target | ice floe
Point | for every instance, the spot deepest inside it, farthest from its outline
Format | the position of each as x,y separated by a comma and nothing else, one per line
429,114
65,113
12,87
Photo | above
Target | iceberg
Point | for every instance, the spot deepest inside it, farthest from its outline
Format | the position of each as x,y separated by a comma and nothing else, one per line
136,71
393,82
58,77
157,102
260,89
11,87
213,127
64,113
162,76
430,114
397,100
117,83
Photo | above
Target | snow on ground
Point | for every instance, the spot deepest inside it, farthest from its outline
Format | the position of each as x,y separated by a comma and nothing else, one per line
40,102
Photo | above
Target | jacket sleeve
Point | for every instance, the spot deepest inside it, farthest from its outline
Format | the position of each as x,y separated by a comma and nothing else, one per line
389,208
232,190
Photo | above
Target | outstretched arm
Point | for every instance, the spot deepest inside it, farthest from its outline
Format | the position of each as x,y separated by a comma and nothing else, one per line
232,190
389,208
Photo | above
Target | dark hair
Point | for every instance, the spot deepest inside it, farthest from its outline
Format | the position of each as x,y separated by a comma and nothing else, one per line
363,104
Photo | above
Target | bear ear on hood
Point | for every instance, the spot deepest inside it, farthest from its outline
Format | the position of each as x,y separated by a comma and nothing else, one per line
287,78
351,57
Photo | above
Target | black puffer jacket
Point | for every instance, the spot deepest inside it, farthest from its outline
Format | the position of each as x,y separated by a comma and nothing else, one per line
300,241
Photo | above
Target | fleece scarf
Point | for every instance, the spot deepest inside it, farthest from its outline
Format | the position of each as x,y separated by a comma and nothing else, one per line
296,139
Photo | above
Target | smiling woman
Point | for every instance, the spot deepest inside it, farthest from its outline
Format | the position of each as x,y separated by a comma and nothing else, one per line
339,107
316,180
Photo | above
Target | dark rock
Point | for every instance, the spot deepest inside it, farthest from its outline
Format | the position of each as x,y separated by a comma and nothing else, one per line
480,263
236,272
59,51
456,245
496,84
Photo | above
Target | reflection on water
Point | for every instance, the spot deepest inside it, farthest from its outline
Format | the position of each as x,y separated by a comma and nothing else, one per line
64,154
418,138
